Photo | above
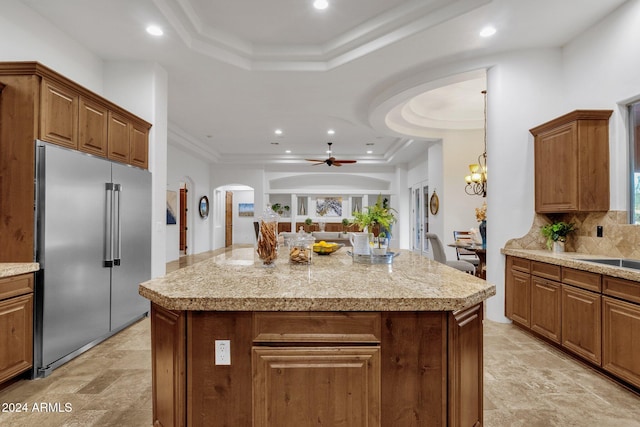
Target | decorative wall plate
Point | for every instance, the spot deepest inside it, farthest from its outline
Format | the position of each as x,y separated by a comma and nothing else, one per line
203,207
434,203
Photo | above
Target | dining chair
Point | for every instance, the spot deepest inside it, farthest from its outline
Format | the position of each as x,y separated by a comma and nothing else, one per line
440,256
465,254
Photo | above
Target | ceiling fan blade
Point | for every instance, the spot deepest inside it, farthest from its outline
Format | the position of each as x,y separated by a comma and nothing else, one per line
315,160
336,163
345,161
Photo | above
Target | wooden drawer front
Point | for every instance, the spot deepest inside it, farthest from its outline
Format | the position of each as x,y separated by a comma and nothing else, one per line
16,285
548,271
582,279
316,327
519,264
621,288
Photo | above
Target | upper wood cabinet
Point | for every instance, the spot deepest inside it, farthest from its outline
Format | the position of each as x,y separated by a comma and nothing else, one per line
75,118
572,162
59,114
93,127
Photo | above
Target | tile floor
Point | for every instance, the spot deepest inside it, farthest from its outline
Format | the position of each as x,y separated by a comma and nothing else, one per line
527,383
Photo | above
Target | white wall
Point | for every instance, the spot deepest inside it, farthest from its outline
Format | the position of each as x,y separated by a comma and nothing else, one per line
183,167
601,72
524,90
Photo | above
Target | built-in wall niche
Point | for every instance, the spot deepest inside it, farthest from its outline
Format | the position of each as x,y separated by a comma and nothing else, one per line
303,206
282,203
356,204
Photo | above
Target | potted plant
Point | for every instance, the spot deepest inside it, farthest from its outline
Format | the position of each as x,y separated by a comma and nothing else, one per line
556,234
308,223
376,218
345,226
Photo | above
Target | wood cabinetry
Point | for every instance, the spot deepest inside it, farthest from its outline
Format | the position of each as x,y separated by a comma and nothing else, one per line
38,103
291,369
592,316
16,325
572,163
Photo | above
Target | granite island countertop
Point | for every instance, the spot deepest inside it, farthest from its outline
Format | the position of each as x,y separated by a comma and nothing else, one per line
232,282
575,260
8,269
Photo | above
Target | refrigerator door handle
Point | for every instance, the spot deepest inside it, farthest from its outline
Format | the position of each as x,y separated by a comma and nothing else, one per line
108,228
117,191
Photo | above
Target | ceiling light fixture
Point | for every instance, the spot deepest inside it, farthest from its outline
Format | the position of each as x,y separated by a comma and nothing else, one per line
320,4
287,151
477,180
369,151
331,132
488,31
155,30
278,132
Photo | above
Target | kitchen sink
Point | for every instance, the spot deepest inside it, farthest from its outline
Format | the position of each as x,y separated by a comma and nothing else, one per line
616,262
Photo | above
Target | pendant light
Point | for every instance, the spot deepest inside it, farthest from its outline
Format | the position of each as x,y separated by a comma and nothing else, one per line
477,178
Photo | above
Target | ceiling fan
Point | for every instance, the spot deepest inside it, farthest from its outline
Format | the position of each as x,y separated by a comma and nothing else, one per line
331,161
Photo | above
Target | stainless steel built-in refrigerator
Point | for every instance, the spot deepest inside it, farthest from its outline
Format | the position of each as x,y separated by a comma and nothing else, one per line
93,243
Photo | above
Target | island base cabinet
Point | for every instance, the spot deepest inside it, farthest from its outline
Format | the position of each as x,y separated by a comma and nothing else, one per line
621,339
400,369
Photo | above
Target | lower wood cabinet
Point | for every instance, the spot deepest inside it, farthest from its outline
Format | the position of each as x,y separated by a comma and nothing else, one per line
621,339
546,308
16,325
518,297
581,324
595,317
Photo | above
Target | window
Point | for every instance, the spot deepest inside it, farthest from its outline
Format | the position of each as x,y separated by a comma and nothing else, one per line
634,156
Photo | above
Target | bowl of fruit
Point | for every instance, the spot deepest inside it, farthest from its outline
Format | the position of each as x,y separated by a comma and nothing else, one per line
326,248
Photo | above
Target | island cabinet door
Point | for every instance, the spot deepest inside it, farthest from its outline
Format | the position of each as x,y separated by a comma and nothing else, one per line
465,367
323,386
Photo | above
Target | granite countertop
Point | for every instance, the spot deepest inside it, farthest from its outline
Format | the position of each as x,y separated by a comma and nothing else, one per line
575,260
8,269
231,282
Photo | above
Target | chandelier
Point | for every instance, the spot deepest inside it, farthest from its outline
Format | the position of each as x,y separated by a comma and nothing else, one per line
477,179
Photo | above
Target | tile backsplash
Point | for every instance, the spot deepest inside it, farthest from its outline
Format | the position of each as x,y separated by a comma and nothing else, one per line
620,239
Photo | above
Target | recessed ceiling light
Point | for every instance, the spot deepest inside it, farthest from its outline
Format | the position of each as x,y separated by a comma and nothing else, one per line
154,30
275,143
369,144
488,31
331,131
320,4
278,132
288,151
369,151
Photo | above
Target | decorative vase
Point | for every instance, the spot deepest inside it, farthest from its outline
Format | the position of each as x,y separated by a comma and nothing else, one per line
483,233
558,246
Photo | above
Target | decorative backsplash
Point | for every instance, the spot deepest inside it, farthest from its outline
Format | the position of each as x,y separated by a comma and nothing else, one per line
620,239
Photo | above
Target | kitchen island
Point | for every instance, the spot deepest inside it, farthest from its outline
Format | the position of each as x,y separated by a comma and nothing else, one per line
330,344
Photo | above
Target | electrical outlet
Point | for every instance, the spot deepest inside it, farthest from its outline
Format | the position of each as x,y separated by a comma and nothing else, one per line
599,231
223,352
